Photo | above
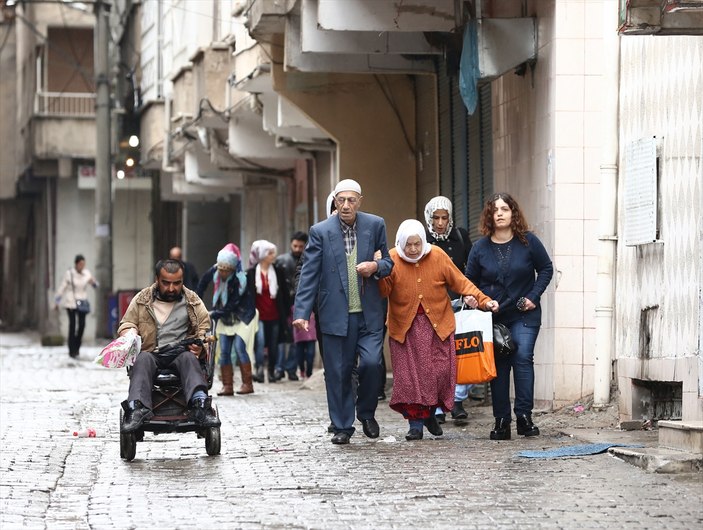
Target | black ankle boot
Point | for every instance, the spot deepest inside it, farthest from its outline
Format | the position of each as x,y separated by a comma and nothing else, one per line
259,375
135,414
433,425
501,431
525,427
202,413
458,412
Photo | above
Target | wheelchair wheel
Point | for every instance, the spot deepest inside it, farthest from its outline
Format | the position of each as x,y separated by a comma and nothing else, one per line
212,441
128,443
121,444
128,446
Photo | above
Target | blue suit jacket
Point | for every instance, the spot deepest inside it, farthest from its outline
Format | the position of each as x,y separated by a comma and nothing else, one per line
324,274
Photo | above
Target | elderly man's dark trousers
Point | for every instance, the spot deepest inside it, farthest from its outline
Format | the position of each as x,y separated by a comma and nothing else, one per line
339,361
144,369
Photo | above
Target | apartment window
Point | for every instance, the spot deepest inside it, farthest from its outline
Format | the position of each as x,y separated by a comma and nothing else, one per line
65,75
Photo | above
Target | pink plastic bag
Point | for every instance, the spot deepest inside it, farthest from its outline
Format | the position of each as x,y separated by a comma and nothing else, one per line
121,352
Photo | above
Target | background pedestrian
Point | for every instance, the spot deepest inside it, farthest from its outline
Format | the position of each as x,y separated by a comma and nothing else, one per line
305,341
234,312
287,263
190,275
272,304
74,287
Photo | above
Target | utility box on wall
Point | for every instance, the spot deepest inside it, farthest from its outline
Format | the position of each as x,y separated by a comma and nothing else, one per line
504,43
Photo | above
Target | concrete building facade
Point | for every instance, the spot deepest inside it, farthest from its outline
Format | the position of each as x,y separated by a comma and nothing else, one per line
249,118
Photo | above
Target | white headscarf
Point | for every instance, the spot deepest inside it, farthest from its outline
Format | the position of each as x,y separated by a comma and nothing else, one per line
411,227
439,203
328,204
259,249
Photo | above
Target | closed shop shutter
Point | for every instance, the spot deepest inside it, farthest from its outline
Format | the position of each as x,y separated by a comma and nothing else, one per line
465,151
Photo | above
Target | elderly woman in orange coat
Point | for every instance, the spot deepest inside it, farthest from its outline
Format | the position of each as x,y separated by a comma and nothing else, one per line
421,327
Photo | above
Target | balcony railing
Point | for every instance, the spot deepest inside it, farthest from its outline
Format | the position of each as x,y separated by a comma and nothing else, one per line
67,104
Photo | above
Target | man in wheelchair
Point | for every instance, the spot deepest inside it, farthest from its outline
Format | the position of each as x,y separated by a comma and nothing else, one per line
164,314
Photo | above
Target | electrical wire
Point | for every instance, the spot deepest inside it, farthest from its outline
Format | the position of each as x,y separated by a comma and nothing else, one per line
394,107
45,40
6,37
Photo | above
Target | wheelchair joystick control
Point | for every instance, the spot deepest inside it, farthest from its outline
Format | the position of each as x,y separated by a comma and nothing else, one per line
86,433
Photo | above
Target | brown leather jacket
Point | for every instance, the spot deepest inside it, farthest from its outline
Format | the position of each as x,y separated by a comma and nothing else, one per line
140,315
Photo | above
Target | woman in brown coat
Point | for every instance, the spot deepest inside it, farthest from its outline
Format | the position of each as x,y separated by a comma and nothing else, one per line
421,327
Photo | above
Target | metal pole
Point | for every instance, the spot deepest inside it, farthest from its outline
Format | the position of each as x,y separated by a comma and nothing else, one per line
103,169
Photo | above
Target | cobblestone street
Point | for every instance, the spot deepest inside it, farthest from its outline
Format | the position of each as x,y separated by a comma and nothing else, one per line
279,469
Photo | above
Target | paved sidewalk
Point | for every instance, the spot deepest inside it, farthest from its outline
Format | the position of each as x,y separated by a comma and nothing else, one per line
278,468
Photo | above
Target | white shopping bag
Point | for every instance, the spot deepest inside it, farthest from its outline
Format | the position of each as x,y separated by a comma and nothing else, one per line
473,340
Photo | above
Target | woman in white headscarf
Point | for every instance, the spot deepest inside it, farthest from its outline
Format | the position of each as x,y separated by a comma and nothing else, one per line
455,241
273,304
421,327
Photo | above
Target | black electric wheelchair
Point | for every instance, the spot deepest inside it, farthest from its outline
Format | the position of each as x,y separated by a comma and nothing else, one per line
170,406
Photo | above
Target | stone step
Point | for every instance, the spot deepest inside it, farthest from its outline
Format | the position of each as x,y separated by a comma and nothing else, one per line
681,435
657,460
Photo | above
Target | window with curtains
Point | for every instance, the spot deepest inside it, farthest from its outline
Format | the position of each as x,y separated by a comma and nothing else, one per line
465,151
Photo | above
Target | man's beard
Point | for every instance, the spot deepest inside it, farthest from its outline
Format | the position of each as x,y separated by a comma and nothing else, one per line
296,255
169,297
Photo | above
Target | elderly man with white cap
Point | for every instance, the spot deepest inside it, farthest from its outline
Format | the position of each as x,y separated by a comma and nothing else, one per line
339,271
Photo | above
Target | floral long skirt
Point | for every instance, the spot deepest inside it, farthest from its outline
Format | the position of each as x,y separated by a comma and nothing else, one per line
424,371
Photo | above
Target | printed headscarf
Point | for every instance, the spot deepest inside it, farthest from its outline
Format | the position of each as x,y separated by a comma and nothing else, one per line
259,249
230,258
439,203
411,227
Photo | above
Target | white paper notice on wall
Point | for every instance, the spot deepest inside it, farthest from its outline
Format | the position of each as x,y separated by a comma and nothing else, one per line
641,192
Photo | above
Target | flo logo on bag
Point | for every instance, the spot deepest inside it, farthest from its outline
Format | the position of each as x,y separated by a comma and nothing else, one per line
471,342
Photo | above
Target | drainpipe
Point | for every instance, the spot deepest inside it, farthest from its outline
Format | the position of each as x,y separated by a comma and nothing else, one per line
607,223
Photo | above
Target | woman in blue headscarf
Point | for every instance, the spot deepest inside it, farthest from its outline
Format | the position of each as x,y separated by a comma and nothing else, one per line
235,315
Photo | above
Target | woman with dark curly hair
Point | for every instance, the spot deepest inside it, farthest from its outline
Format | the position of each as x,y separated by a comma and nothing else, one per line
511,265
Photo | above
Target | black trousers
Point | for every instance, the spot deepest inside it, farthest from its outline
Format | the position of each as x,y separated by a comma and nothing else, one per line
75,334
144,369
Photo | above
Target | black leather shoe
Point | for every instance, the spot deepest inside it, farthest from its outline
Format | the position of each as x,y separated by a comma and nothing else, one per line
525,427
382,396
202,413
501,431
330,428
259,375
458,412
441,418
135,415
341,438
433,426
371,428
293,376
413,434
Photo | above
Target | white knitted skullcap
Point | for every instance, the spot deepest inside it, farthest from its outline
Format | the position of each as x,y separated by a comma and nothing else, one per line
347,185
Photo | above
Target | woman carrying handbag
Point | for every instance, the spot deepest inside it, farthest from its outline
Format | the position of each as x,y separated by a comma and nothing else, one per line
511,265
72,294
